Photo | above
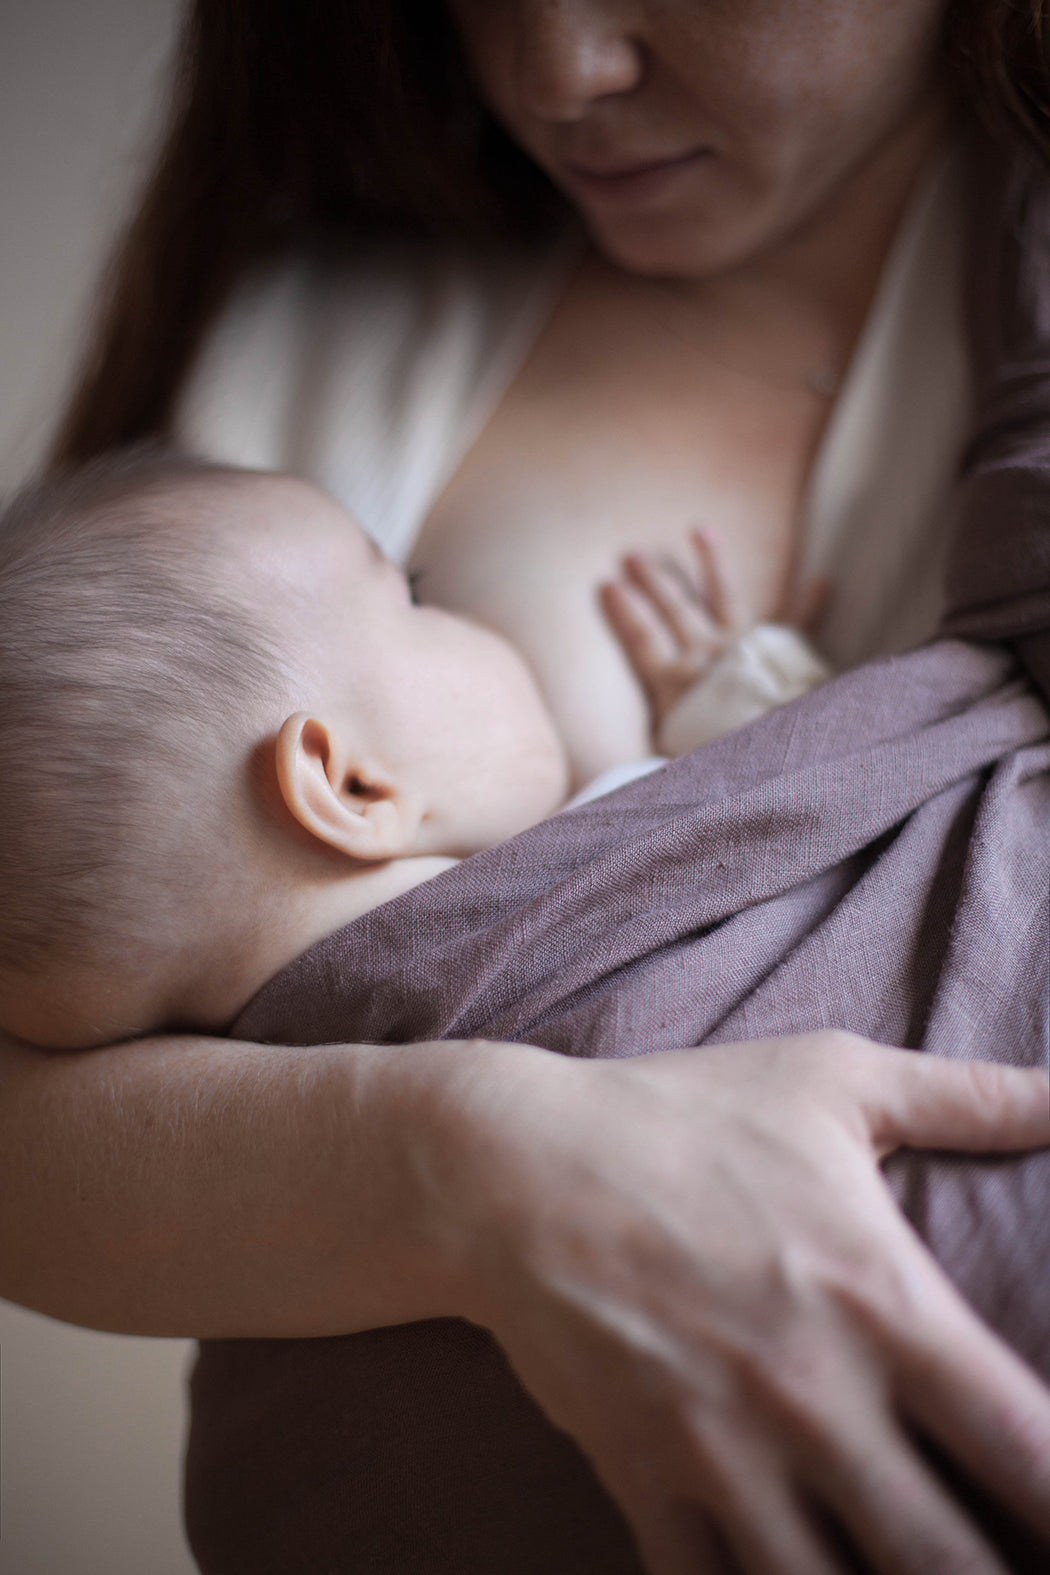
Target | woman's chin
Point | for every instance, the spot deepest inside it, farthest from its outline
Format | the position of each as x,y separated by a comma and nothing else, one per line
678,247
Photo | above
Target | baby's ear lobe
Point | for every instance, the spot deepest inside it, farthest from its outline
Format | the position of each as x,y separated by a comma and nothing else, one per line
338,798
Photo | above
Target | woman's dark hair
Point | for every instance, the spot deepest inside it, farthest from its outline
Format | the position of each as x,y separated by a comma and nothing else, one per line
998,52
291,118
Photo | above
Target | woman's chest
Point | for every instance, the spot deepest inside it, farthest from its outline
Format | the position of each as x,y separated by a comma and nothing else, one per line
621,431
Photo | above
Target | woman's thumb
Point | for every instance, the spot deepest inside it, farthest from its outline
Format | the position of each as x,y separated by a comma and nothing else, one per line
918,1100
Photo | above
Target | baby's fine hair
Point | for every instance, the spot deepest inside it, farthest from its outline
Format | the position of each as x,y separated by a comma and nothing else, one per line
120,651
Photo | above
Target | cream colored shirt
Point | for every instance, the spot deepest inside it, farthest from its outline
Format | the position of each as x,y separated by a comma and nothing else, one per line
373,376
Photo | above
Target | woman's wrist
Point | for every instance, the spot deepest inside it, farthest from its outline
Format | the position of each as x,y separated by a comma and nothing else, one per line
459,1183
684,1255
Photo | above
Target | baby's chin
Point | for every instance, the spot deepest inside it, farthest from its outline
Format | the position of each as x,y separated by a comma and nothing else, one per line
516,793
543,782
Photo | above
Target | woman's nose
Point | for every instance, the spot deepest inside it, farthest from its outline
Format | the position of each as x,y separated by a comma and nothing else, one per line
569,53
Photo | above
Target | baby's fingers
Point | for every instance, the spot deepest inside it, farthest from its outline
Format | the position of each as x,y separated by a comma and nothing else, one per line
646,640
667,649
678,604
719,592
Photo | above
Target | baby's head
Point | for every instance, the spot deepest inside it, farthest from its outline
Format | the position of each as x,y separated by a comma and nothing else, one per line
220,708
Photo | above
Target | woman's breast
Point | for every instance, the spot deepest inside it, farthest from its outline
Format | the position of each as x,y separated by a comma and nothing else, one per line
612,438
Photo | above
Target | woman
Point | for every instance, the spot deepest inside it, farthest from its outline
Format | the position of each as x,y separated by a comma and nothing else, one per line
759,157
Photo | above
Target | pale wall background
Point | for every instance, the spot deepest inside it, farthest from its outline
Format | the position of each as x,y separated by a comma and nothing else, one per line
91,1425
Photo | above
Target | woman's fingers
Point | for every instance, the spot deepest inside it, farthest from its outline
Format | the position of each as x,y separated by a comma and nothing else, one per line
677,1540
918,1100
829,1405
897,1514
762,1523
984,1408
748,1320
874,1487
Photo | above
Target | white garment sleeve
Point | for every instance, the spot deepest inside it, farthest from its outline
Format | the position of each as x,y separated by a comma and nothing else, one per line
371,372
767,667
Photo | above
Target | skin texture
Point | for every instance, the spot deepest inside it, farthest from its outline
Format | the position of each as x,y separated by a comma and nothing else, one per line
201,1188
759,111
397,739
731,1309
674,383
435,716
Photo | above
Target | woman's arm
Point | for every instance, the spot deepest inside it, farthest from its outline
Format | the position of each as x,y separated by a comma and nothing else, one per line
735,1320
690,1258
207,1188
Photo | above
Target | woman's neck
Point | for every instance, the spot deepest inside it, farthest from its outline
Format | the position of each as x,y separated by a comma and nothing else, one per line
823,276
792,315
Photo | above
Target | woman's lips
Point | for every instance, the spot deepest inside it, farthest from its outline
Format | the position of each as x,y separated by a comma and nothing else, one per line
628,183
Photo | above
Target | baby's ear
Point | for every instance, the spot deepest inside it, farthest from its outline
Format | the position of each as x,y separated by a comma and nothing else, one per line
338,798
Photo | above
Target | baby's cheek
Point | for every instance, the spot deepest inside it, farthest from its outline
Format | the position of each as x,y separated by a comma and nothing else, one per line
532,765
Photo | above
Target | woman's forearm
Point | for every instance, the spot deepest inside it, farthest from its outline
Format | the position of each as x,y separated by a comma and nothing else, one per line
690,1259
192,1186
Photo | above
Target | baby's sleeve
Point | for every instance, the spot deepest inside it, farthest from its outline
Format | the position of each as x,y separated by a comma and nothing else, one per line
766,667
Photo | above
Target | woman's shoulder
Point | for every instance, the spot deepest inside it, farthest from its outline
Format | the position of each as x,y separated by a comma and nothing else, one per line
360,366
233,403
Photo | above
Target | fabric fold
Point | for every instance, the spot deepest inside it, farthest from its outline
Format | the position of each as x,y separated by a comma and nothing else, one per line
874,856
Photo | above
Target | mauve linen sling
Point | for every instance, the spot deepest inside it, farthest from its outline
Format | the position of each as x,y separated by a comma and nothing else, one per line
874,857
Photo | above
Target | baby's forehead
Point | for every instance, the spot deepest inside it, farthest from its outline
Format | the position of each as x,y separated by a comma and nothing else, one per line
260,516
282,502
277,541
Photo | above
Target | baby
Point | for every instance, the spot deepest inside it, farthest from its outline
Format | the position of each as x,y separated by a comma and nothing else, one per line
226,730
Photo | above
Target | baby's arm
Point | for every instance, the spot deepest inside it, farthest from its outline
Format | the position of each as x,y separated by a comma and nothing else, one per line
704,672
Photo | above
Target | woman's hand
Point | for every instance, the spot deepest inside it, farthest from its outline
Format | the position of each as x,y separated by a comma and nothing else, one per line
690,1258
696,1268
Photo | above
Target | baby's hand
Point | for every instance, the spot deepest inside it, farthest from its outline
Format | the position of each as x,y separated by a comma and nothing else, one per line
673,620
